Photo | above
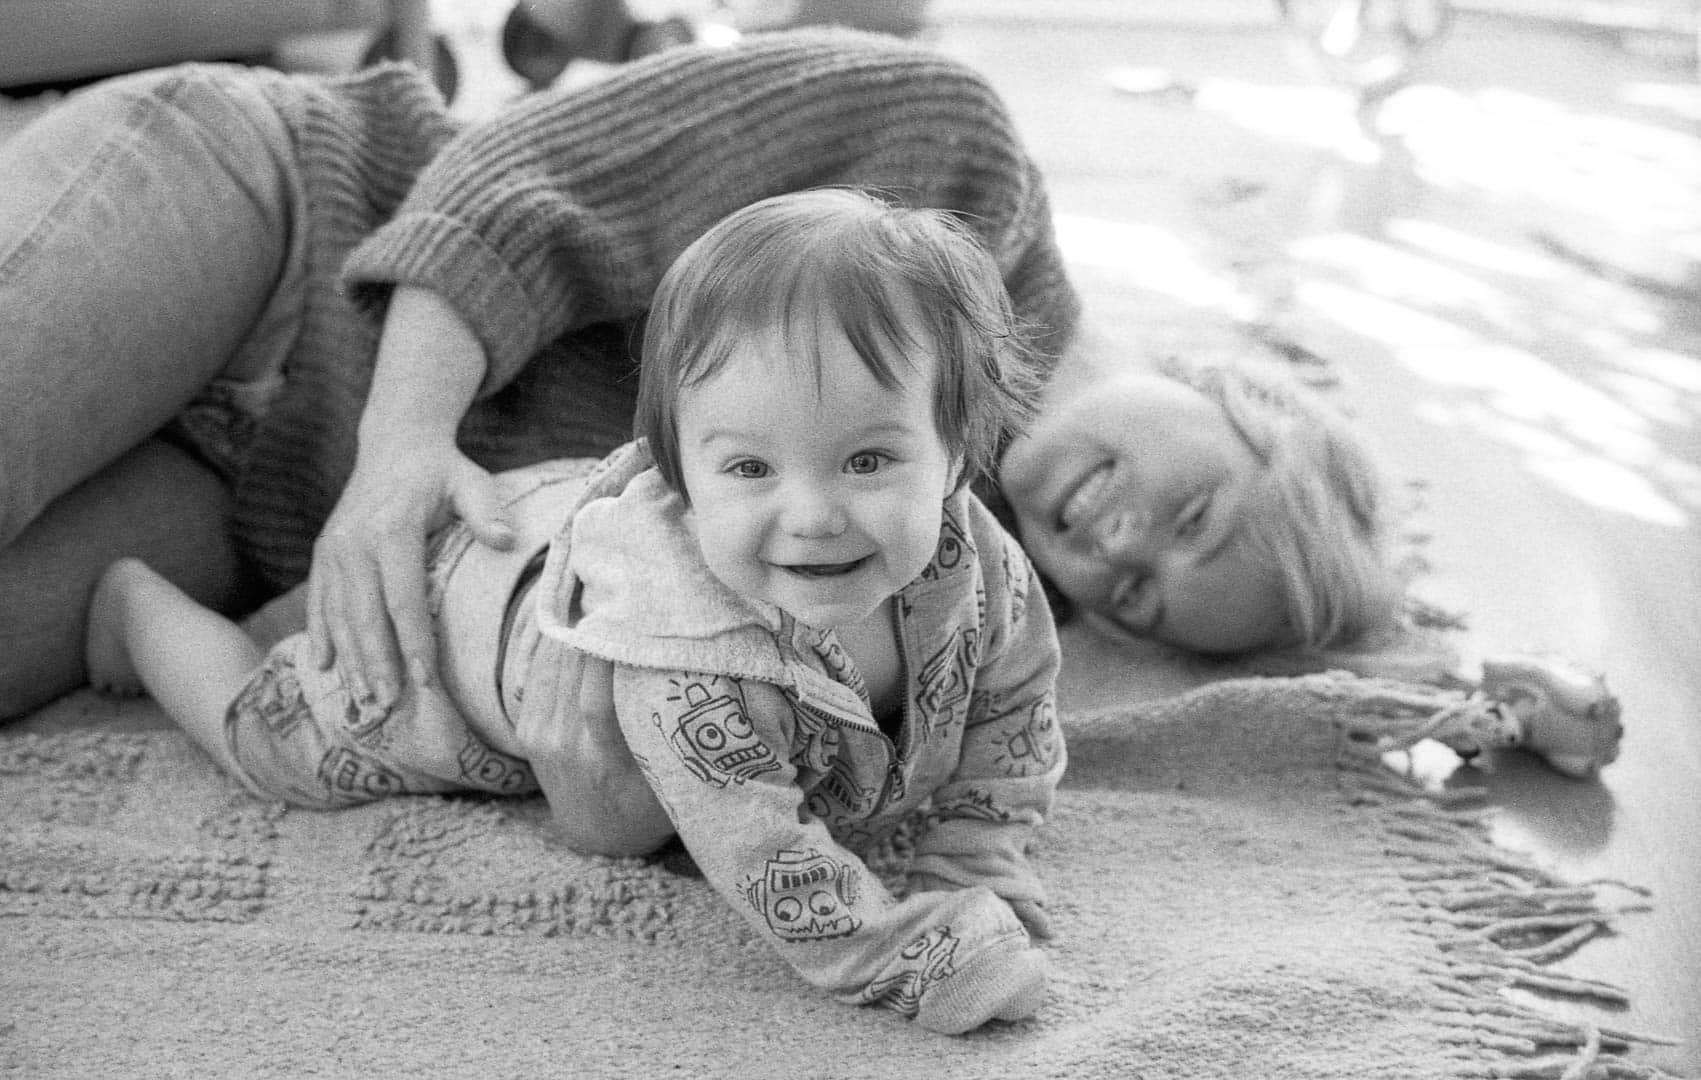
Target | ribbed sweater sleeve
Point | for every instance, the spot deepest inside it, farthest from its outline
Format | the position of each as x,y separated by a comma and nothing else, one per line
565,211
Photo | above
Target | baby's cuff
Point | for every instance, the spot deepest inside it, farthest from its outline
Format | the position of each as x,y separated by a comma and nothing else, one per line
1001,984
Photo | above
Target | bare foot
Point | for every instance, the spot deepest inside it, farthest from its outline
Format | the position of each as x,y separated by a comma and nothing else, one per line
105,652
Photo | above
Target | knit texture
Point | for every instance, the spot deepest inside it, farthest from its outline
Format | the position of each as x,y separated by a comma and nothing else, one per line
549,227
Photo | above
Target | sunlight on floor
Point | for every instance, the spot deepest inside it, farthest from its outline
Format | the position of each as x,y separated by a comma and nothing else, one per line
1550,330
1150,258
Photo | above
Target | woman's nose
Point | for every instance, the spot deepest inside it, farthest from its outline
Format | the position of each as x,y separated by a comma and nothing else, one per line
1118,536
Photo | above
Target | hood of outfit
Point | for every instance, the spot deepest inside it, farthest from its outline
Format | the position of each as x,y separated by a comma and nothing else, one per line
756,734
624,581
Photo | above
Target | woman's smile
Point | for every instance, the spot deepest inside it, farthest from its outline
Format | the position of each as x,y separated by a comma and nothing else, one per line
1119,492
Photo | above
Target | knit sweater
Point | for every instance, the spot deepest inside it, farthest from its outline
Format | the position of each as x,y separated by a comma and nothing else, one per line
548,227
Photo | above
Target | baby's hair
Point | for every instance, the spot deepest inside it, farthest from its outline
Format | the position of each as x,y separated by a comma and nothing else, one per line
909,287
1317,511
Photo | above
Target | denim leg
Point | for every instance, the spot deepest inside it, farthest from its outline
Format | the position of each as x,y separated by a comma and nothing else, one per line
149,242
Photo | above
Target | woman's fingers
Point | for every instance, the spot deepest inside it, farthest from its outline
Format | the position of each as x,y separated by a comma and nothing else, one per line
318,622
349,616
367,587
414,654
367,609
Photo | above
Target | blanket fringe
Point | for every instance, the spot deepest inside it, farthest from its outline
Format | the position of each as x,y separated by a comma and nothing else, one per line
1497,919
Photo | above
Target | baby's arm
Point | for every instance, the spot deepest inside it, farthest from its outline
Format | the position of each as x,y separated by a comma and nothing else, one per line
716,753
1012,753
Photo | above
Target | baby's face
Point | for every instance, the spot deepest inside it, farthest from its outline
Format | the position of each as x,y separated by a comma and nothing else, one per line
821,495
1130,497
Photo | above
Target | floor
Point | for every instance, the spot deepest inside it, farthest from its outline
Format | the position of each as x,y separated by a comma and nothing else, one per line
1504,275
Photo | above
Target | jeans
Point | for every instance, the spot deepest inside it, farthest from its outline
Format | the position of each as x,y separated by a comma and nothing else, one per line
151,267
149,244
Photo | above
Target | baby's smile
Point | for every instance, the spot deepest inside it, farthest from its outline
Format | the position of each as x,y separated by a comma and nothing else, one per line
824,570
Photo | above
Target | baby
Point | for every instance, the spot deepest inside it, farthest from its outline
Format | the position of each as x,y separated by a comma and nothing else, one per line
778,624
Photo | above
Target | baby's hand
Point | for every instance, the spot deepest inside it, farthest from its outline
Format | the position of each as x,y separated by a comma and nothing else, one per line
996,984
1030,912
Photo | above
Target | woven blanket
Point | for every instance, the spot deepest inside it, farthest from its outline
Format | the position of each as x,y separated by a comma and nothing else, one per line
1242,888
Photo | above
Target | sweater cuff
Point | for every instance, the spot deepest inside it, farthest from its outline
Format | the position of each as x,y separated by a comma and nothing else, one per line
440,254
997,984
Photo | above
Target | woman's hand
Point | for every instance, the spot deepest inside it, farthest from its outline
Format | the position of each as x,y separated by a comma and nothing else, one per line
366,609
366,603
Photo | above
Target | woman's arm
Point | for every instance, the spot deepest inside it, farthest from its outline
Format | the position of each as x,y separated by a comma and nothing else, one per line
566,210
366,607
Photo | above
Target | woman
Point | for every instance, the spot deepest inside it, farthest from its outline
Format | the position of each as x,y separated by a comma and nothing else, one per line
252,321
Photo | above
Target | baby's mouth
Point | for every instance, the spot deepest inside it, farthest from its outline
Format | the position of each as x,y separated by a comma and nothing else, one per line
825,570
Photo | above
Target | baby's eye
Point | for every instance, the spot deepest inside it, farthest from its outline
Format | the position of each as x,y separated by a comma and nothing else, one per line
866,462
748,469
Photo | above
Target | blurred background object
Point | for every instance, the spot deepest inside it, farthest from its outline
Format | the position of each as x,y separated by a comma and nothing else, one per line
1367,45
541,37
67,41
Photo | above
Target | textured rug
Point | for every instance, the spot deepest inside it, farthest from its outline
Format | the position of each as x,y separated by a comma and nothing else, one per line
1242,889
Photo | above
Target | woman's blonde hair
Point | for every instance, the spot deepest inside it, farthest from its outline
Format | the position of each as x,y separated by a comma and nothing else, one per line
1317,512
907,287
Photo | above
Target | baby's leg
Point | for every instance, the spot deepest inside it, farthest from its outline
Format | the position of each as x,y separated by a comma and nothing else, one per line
147,634
598,795
157,503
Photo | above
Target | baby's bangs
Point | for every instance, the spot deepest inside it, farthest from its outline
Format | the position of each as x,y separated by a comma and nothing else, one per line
865,300
840,276
751,297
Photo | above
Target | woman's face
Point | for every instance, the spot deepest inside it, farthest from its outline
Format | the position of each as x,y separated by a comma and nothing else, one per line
1130,494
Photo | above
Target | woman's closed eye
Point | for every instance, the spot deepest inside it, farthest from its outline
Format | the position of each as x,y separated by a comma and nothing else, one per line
1194,516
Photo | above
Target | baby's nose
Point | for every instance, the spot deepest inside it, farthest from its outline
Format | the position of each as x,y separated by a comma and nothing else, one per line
811,511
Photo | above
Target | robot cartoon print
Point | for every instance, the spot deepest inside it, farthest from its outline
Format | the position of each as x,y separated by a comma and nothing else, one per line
347,773
805,896
924,961
491,770
711,732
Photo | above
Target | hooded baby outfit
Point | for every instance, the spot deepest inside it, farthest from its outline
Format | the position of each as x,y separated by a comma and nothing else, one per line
754,730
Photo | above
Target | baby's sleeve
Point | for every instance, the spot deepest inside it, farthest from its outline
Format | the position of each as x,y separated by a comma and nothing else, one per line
716,752
1012,755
